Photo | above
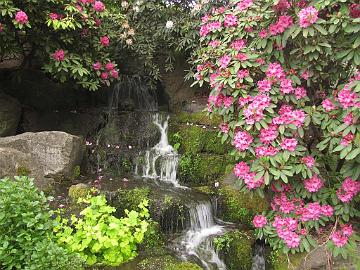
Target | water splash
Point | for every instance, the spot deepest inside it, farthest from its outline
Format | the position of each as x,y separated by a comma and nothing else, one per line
161,161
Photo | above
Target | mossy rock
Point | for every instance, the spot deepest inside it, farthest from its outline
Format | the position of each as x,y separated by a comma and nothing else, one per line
78,191
279,261
239,207
167,262
201,169
208,190
237,249
200,118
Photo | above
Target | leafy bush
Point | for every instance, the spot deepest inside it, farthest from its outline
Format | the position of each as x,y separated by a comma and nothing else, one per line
26,230
284,79
99,237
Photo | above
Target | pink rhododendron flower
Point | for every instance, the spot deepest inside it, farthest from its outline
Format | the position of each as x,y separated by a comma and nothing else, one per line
105,41
286,86
263,33
97,66
214,43
349,119
289,144
268,135
281,25
328,105
99,6
204,30
238,44
109,66
224,128
282,5
264,86
305,75
345,141
251,183
230,20
228,101
225,61
244,100
275,71
354,10
104,75
259,221
312,211
300,92
349,188
339,239
313,184
54,16
114,74
347,98
244,4
242,140
347,230
241,57
21,17
59,55
241,169
243,73
308,16
266,151
309,161
327,210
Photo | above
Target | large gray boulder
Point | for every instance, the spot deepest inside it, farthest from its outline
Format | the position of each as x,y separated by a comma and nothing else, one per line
44,155
10,112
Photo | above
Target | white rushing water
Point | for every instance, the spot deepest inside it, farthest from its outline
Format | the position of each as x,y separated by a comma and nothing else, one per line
161,162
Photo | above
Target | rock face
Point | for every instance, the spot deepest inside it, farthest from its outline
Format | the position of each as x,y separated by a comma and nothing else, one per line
10,112
43,155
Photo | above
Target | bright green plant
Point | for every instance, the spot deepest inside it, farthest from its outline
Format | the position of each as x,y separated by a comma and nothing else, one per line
101,238
26,230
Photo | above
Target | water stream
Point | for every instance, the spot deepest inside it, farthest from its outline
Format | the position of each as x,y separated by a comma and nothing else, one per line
161,162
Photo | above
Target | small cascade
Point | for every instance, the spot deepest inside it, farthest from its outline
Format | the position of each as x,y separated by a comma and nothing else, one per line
161,161
197,242
258,260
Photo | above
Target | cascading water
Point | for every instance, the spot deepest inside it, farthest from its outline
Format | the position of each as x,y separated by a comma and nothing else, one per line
161,162
258,262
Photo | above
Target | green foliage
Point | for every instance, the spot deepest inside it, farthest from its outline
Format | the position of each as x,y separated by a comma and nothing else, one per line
99,237
26,230
79,191
240,207
236,246
23,171
129,199
166,263
77,172
153,237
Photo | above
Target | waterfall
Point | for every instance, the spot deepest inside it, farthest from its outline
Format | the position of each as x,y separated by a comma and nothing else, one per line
161,161
197,240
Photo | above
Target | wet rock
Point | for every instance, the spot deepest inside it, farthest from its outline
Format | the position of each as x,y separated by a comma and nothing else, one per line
10,112
47,155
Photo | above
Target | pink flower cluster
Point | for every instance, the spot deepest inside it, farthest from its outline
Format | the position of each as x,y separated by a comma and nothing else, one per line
238,44
286,86
59,55
108,71
349,119
284,22
309,161
21,17
230,20
105,41
244,4
341,237
269,134
285,228
275,72
207,28
346,140
308,16
349,188
225,61
266,151
347,98
255,111
99,6
289,116
281,6
264,86
242,171
328,105
259,221
313,211
313,184
300,92
289,144
242,140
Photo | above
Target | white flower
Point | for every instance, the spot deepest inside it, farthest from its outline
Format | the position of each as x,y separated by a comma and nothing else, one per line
124,4
169,24
136,8
217,184
129,41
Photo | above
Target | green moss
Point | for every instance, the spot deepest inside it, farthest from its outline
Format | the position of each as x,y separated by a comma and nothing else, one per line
206,190
78,191
279,260
129,199
240,207
201,169
200,118
236,247
167,262
23,171
153,237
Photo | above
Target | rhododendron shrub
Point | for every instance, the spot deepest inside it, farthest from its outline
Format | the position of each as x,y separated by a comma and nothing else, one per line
283,77
70,38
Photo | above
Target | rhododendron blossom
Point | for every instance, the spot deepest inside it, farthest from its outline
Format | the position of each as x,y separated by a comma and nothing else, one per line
309,161
242,140
328,105
244,4
59,55
21,17
289,144
347,98
99,6
230,20
346,140
313,184
259,221
349,189
225,61
308,16
105,41
97,66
